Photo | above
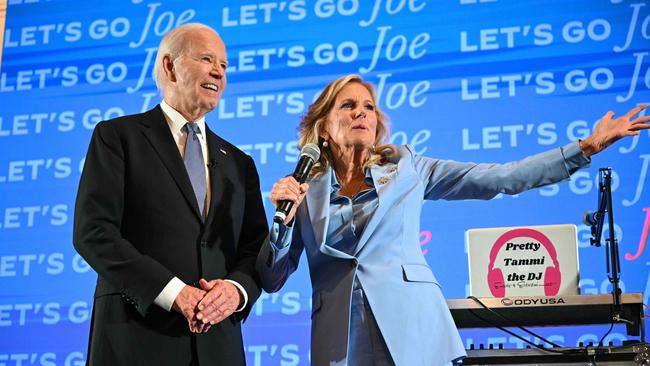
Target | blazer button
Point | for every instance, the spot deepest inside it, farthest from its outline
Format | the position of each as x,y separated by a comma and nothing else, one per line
353,263
204,243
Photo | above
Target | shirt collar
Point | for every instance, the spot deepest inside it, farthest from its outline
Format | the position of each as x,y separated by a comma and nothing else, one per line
176,121
335,186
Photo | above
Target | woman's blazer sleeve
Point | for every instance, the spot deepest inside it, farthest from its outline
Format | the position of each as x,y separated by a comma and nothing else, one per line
452,180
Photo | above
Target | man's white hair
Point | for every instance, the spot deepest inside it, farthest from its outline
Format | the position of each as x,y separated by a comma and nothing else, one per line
174,43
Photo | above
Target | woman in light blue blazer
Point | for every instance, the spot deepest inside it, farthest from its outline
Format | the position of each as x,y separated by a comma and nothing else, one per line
375,300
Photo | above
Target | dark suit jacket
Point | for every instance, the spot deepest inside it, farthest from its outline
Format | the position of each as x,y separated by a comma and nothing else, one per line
137,223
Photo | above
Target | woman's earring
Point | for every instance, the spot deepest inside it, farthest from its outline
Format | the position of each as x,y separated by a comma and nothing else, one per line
325,144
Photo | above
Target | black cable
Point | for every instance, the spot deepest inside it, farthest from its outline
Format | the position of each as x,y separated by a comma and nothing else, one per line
503,329
520,327
513,322
520,337
599,345
600,342
585,351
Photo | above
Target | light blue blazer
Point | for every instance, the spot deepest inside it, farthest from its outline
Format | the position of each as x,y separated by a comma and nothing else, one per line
404,295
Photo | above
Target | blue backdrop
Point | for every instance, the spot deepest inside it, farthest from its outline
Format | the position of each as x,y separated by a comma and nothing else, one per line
470,80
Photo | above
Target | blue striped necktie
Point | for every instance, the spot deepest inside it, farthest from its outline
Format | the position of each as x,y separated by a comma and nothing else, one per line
194,163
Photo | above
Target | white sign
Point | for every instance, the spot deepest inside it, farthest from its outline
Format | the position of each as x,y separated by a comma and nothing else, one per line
523,261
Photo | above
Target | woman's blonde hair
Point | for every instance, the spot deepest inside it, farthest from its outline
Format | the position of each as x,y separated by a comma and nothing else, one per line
313,122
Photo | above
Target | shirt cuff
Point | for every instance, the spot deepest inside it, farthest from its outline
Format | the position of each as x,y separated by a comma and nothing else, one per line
280,235
242,292
167,296
574,159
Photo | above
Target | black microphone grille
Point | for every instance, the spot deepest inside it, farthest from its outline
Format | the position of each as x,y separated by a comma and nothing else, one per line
589,217
311,151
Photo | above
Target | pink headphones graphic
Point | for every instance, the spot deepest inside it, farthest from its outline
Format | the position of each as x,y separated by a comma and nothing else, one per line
552,275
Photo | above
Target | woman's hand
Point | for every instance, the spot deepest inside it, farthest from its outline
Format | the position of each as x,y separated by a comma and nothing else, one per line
288,189
609,130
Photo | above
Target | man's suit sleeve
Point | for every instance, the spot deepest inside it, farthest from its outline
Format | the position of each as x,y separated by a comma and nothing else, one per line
98,219
254,230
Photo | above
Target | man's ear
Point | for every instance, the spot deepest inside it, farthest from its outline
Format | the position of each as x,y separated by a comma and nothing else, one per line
168,68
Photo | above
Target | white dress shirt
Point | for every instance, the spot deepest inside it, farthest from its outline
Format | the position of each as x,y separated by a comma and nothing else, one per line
176,122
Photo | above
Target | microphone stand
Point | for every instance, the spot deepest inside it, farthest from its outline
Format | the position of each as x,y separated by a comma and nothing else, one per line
612,257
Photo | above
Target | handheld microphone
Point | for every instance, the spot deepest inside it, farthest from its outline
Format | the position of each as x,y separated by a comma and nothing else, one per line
590,218
309,154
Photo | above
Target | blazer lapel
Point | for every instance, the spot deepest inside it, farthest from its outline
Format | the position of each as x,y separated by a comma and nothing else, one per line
318,207
219,167
160,137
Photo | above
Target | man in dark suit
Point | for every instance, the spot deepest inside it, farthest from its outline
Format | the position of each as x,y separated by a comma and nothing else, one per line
170,216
